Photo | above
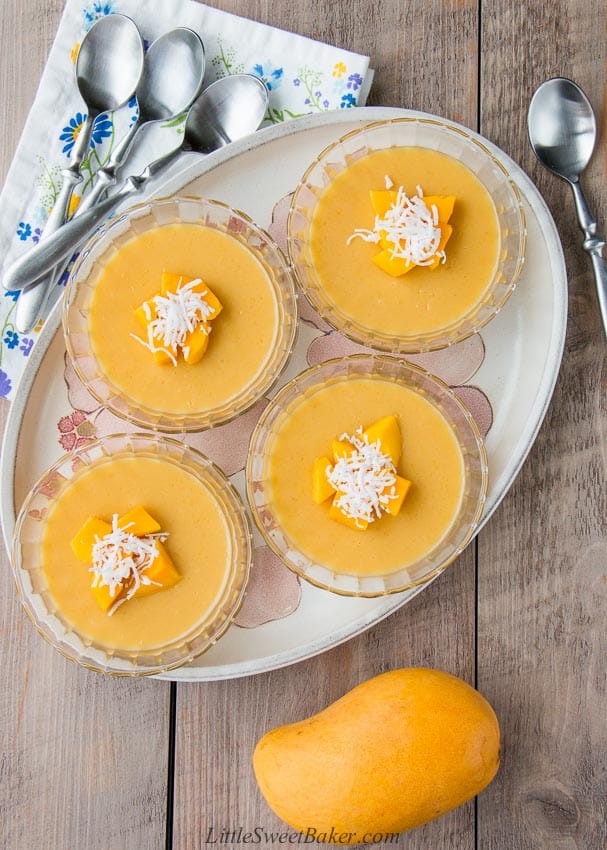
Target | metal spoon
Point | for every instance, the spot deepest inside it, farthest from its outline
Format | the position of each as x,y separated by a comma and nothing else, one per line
562,132
173,72
108,68
227,110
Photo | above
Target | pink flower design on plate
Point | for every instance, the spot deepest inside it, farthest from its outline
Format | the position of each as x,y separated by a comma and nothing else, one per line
75,430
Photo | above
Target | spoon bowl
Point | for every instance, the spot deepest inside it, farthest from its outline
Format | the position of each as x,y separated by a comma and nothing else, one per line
562,132
109,64
172,76
226,111
562,127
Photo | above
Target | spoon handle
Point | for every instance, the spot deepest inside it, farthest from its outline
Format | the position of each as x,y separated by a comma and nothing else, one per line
71,178
594,245
106,176
46,254
33,299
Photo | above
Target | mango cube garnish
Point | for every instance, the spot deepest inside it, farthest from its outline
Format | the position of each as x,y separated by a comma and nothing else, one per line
361,479
177,321
411,231
127,557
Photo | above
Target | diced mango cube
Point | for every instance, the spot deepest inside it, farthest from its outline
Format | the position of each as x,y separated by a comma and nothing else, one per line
341,448
394,266
321,488
103,598
382,200
387,431
339,516
82,544
170,282
139,522
446,231
401,488
196,344
141,314
162,571
214,302
444,205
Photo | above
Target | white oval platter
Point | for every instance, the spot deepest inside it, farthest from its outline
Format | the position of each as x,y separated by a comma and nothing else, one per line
523,349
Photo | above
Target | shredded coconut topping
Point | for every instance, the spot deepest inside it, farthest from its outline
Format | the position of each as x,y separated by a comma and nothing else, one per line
120,558
388,181
365,479
176,315
410,227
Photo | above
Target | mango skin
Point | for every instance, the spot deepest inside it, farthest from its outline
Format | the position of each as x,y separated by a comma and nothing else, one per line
397,751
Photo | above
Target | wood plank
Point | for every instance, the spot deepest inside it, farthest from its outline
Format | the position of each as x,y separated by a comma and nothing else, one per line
84,759
220,723
542,561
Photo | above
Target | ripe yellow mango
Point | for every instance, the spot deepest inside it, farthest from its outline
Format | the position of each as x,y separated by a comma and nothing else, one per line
82,543
341,448
401,488
444,205
198,342
394,266
162,570
321,489
338,515
387,431
139,522
170,282
400,749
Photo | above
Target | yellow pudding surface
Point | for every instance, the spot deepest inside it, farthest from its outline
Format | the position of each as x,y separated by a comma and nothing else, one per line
240,343
199,545
431,459
423,300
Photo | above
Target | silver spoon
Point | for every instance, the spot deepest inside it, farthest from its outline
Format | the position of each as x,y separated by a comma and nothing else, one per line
108,68
172,77
227,110
562,132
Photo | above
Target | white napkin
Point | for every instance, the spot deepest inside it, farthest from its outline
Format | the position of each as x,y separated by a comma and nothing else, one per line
303,76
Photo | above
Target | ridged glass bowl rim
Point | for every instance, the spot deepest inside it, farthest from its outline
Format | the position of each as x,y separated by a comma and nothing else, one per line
24,595
186,422
392,343
442,387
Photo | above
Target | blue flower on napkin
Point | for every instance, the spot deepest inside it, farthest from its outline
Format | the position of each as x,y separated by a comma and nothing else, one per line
11,339
355,81
271,76
69,134
12,293
102,129
347,101
5,384
97,10
24,230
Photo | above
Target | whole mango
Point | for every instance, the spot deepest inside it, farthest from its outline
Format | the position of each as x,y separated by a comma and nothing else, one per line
396,751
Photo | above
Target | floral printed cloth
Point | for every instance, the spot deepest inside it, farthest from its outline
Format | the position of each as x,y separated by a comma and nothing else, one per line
302,76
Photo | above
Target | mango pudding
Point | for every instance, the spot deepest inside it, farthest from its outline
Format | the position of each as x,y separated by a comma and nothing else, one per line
366,475
406,239
142,551
180,324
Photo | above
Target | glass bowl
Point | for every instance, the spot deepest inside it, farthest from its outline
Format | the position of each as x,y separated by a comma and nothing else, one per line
432,389
32,584
118,396
436,135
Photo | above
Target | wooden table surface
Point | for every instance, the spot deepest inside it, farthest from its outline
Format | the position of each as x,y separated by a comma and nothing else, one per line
92,762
